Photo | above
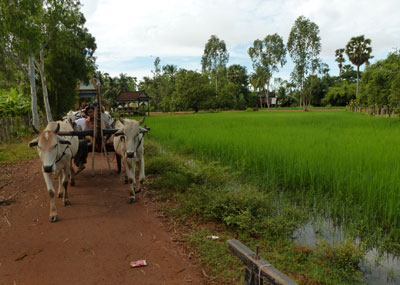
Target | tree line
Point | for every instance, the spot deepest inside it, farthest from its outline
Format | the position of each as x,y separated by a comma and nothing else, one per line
219,86
45,49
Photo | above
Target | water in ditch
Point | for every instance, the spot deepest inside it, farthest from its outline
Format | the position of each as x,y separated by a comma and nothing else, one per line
378,268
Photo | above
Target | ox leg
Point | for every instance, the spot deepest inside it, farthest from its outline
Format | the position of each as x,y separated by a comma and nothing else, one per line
72,175
141,173
50,189
60,191
65,179
131,178
118,162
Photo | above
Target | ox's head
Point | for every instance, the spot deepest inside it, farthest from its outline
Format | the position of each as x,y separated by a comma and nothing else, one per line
70,118
47,145
131,131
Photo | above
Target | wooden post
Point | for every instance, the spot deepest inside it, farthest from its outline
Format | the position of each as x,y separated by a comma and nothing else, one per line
2,137
257,269
94,138
7,128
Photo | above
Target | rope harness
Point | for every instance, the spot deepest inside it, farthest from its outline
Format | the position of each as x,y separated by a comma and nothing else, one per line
62,153
137,147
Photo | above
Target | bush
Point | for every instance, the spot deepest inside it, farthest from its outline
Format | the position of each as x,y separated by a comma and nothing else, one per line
344,256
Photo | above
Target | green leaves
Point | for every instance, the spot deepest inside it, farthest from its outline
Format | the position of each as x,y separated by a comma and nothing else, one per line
215,55
358,49
13,104
304,46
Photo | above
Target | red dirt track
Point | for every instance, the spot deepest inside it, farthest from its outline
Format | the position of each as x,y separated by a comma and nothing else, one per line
95,238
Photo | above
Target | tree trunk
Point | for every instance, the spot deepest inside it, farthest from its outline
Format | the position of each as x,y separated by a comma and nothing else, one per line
358,76
44,87
31,73
267,97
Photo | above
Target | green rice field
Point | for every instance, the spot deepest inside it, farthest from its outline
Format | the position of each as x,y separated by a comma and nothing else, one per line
346,164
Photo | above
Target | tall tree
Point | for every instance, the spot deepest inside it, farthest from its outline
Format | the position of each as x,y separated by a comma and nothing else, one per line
358,49
237,74
170,70
340,59
193,90
258,80
215,58
21,38
304,46
268,55
29,30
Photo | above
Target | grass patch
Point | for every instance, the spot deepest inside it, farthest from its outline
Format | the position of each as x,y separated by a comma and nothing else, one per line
214,200
16,151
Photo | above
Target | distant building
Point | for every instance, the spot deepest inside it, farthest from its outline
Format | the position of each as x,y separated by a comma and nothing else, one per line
131,102
263,100
88,89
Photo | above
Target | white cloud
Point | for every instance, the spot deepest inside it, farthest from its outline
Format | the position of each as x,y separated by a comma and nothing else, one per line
126,29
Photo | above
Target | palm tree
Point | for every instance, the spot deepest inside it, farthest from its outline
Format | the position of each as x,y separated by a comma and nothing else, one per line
340,59
170,70
359,51
259,79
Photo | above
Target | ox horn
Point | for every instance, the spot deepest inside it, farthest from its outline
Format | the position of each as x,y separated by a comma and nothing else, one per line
142,120
121,120
34,129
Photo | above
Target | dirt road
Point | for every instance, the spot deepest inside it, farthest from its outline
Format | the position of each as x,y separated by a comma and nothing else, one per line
95,238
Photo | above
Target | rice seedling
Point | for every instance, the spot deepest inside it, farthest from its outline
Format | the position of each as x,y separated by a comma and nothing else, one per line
346,163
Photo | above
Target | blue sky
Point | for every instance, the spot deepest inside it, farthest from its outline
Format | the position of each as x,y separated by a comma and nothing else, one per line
130,34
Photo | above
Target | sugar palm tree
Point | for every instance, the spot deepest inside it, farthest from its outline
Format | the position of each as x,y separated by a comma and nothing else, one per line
340,59
358,49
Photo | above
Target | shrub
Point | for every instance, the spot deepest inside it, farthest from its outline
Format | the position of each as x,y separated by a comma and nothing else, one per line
344,256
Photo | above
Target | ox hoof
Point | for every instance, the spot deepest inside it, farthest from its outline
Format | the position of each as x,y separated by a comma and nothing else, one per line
53,219
67,203
60,195
132,200
126,180
138,190
72,182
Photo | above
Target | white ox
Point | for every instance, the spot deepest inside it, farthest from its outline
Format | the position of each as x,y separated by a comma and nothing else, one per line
72,116
128,144
55,152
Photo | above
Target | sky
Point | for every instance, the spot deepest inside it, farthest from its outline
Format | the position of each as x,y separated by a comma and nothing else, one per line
130,34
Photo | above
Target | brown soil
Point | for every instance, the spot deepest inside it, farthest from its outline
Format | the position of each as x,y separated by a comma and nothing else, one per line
95,238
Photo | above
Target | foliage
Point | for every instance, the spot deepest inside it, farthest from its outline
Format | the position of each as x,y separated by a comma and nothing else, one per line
215,58
340,95
358,50
340,59
380,83
192,91
16,152
216,203
304,46
13,104
267,55
56,29
345,256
